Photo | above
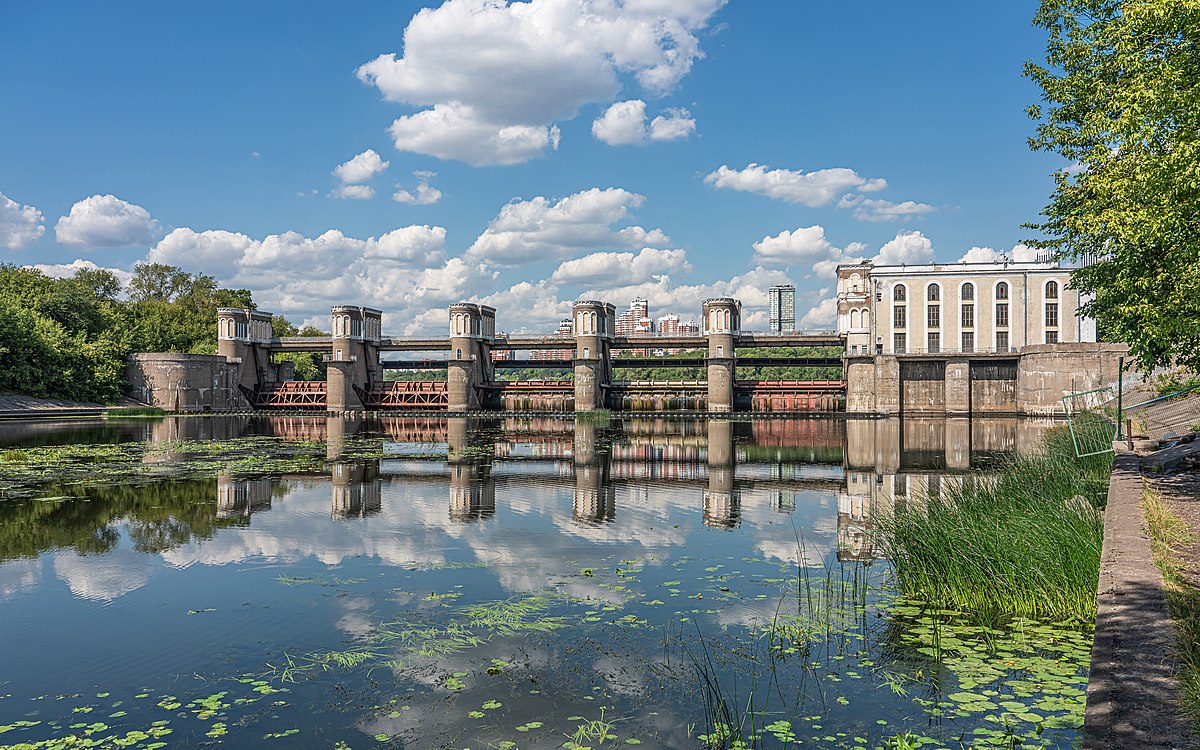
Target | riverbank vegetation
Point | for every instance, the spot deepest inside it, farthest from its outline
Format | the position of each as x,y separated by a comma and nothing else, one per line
1168,532
1024,542
68,338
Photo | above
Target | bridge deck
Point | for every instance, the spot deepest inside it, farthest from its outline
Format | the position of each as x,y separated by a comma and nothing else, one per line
552,342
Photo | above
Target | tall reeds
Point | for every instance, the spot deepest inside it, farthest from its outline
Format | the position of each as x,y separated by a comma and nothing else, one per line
1024,541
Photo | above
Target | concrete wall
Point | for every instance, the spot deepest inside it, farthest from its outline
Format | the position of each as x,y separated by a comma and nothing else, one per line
1046,373
185,382
960,384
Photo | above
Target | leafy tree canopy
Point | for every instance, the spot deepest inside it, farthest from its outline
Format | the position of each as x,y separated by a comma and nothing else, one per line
1121,100
68,338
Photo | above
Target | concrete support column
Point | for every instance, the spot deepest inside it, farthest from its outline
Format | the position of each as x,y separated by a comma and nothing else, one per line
243,336
354,357
722,505
594,326
470,369
722,324
958,385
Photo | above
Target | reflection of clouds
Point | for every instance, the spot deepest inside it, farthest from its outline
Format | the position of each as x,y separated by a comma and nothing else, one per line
105,577
356,621
19,576
528,543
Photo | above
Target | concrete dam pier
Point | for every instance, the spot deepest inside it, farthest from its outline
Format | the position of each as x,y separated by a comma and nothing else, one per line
247,373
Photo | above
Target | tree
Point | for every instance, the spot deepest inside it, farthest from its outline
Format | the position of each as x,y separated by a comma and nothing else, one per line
308,365
1121,88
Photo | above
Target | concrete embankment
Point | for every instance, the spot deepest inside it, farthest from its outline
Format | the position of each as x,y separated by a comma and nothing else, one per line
17,406
1133,698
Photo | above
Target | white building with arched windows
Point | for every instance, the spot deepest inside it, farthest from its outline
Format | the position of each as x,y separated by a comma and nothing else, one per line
947,308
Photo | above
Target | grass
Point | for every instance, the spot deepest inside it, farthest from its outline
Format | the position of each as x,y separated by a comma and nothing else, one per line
1167,533
134,411
1024,542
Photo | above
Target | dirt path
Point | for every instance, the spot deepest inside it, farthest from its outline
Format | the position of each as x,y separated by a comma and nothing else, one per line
1181,493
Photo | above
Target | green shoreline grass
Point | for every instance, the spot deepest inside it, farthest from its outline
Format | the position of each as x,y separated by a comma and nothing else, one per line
1024,542
1167,530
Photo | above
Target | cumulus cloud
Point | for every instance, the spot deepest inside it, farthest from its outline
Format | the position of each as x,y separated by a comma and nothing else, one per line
907,247
405,271
874,209
624,123
806,246
812,189
621,268
106,221
361,168
492,77
539,229
354,192
458,131
821,314
672,125
1019,254
67,270
19,225
422,195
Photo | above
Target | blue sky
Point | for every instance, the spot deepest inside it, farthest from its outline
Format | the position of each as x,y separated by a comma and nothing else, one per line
540,151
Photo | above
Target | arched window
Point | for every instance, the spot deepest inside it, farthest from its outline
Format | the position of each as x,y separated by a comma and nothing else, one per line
855,279
1002,290
933,293
899,293
968,291
1052,290
854,318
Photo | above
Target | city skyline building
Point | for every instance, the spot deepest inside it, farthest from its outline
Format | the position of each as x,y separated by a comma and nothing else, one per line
783,307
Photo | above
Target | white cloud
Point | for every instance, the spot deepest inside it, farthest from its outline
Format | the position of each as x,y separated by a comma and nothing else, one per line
822,314
907,247
873,209
361,168
622,124
672,125
492,77
806,246
106,221
19,225
1019,253
404,271
456,131
67,270
422,195
354,192
813,189
539,229
621,268
526,306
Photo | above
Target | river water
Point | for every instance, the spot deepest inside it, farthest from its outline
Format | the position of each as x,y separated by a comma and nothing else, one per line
505,583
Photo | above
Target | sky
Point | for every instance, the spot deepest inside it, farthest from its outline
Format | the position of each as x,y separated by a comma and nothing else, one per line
407,155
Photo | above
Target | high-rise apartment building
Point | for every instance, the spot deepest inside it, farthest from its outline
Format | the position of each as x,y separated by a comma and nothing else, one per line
565,328
635,321
783,307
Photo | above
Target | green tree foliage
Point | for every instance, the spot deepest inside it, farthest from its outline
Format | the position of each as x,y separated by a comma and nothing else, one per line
174,311
1121,92
308,365
68,338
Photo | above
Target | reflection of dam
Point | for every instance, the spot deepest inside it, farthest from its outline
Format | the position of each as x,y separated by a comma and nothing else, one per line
241,497
771,464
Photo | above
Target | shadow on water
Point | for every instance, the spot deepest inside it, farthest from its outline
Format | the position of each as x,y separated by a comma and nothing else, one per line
508,582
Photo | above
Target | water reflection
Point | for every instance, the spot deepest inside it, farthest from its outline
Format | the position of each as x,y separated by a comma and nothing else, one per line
777,467
622,530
